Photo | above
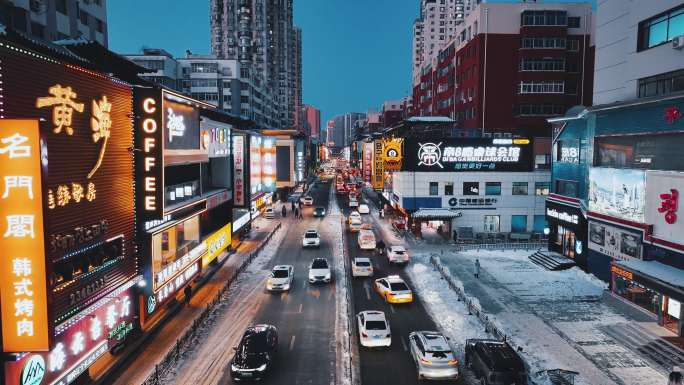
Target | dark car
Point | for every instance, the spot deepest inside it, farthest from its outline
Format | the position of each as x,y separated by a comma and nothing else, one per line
495,362
255,353
319,211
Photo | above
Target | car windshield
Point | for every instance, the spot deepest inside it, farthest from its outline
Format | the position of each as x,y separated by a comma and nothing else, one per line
280,273
319,264
362,263
311,235
319,209
254,344
398,286
375,325
398,251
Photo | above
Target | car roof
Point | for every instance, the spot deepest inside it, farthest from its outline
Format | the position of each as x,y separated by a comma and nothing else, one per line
312,231
394,278
434,340
257,329
282,267
374,315
398,247
361,259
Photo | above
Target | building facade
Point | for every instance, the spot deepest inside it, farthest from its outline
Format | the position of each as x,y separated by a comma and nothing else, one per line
57,19
312,121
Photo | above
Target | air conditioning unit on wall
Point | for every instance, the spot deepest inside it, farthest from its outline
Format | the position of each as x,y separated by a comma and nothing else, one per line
678,42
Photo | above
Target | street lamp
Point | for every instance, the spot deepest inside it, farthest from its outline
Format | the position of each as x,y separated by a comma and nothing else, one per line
547,231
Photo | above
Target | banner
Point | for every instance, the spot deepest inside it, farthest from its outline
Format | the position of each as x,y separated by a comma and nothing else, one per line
239,170
392,153
379,169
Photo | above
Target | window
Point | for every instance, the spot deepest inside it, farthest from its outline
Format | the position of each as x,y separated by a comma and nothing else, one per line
539,109
573,22
651,152
519,188
491,223
663,84
539,223
569,188
557,87
449,188
172,244
528,64
61,6
471,188
573,45
434,188
518,223
543,43
542,188
205,68
493,188
661,29
83,17
530,18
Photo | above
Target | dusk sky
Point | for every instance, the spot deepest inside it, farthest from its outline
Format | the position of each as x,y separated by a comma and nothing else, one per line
356,53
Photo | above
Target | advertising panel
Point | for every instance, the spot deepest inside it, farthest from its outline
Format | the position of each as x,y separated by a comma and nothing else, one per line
614,242
379,169
268,165
87,172
239,170
255,164
392,153
367,162
215,138
98,328
283,164
216,243
149,159
468,154
618,192
181,123
299,165
22,267
663,191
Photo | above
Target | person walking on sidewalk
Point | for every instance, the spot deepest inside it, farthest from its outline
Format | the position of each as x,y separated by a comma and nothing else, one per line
675,377
296,213
477,268
188,293
284,211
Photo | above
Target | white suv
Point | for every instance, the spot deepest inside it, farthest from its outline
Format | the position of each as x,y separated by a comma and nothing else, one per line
311,239
397,254
280,278
433,356
374,330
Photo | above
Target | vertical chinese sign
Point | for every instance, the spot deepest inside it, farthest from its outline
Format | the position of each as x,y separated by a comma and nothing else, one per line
239,170
22,266
379,169
367,162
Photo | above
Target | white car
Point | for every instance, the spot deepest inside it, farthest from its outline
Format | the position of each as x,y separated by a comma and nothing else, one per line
270,213
362,267
364,209
353,203
319,271
397,254
366,239
311,239
354,214
433,356
307,201
280,278
374,330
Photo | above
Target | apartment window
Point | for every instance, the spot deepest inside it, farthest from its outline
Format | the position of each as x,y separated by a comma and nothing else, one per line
542,87
663,84
573,45
569,188
661,29
528,64
519,188
61,6
471,188
493,188
434,188
531,18
518,223
449,188
83,17
491,223
542,188
539,109
543,43
573,22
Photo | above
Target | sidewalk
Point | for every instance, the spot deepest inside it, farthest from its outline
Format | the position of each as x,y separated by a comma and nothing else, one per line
136,362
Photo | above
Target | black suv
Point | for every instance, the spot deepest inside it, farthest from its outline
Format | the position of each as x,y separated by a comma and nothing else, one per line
255,353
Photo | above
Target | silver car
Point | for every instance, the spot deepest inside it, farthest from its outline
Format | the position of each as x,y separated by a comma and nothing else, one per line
433,356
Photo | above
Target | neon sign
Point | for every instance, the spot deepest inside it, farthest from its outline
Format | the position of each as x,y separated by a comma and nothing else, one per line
668,206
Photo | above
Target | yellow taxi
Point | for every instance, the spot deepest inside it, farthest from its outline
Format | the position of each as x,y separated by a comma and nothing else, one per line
393,289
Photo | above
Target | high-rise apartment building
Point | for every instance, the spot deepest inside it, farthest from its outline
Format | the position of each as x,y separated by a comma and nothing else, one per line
57,19
435,27
260,35
312,120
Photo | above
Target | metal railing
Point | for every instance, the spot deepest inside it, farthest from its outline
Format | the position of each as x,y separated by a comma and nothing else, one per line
192,335
501,246
350,307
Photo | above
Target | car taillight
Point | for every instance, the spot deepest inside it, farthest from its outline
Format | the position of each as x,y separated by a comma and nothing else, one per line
364,335
388,336
453,362
427,362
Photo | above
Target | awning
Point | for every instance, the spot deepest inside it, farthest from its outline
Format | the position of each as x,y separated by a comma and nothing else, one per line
436,214
658,273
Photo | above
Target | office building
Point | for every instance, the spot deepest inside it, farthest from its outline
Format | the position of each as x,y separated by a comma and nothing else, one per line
311,121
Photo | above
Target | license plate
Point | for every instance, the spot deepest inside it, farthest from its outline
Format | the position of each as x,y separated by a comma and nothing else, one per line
376,337
246,374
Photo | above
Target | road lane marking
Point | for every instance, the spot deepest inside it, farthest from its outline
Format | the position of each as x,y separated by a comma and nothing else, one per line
403,343
392,308
292,341
300,308
367,292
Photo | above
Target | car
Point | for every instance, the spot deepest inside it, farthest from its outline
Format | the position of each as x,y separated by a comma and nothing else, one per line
393,289
255,352
364,209
311,238
281,278
354,214
319,211
307,200
355,225
397,254
495,362
353,203
269,213
362,267
374,330
433,356
366,239
319,271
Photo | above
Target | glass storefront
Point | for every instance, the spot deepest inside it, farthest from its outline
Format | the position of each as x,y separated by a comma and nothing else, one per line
565,239
174,243
637,294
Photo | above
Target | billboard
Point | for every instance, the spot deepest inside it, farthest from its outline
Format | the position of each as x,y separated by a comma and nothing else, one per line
255,163
300,167
468,154
283,164
614,242
379,165
268,164
392,153
618,193
239,170
215,138
367,161
663,190
181,124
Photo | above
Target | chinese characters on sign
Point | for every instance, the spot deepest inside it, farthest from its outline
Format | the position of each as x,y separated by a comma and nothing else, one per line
64,103
669,205
22,275
379,169
367,162
239,177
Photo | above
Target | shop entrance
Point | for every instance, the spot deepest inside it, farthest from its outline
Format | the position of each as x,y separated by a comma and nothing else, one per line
637,294
566,239
671,313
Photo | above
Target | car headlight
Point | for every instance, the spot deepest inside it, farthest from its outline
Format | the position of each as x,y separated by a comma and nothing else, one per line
286,286
261,368
234,368
327,276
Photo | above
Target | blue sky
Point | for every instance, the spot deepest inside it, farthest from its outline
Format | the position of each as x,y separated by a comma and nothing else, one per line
356,53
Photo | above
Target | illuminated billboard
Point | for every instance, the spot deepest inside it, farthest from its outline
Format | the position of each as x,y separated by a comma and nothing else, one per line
239,170
255,163
268,164
619,193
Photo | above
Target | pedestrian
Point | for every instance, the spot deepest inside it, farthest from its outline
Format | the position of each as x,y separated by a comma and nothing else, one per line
188,293
675,378
296,213
477,268
455,236
382,213
284,211
293,206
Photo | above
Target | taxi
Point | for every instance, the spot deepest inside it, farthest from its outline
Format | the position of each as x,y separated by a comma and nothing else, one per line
393,289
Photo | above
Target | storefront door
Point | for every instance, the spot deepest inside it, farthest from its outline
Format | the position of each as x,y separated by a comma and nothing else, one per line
566,239
672,310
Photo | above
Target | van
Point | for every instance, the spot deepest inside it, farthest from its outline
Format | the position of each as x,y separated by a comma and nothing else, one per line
366,240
